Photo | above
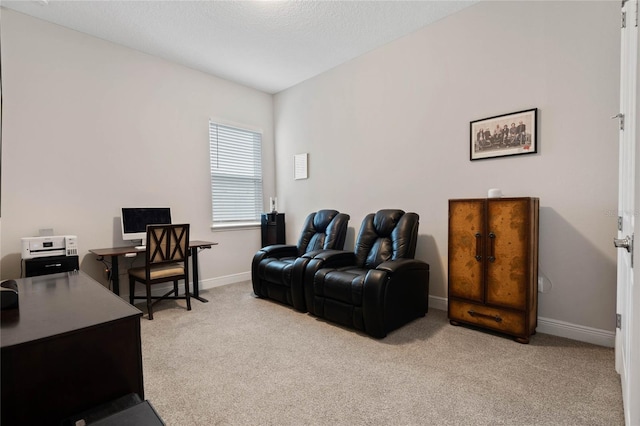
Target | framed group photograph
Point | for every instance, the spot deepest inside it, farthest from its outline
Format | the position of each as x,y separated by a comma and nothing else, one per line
504,135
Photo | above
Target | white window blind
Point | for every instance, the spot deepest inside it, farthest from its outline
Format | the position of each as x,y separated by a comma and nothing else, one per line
236,174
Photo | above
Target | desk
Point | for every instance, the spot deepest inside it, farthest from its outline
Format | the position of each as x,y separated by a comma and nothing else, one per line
115,252
72,345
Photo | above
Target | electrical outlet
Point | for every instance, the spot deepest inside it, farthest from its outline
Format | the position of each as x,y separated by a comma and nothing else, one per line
544,285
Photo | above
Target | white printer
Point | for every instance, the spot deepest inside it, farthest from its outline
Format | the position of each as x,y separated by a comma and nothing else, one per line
61,245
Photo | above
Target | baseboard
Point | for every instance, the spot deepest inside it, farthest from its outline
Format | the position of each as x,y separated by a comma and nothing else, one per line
576,332
555,327
439,303
227,279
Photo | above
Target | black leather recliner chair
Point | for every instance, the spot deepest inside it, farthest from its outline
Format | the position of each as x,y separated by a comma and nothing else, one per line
271,268
377,288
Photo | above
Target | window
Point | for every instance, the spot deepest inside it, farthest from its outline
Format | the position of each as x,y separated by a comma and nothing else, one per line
236,175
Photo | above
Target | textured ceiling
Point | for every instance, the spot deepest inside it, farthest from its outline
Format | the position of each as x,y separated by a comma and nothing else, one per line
267,45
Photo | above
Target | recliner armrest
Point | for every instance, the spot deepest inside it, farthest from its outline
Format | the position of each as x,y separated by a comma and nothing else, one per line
279,250
399,265
312,254
394,292
333,258
305,269
272,251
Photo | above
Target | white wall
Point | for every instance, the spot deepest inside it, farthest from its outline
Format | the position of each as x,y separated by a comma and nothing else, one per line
390,129
90,126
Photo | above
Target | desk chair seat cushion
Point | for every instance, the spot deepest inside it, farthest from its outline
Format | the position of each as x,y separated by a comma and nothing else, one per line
158,272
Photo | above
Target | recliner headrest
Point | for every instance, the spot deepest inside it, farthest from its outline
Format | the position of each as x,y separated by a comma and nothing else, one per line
325,229
386,235
323,218
385,221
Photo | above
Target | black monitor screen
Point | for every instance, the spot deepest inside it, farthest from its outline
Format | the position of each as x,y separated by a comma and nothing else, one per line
136,219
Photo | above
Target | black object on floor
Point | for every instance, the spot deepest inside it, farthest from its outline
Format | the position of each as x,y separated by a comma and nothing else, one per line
142,414
101,411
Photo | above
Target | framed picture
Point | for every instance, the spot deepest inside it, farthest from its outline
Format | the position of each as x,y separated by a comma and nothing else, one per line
504,135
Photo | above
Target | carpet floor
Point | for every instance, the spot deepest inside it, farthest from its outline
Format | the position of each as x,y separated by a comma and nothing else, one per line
240,360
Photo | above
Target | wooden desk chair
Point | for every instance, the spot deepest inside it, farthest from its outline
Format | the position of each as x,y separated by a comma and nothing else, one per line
165,260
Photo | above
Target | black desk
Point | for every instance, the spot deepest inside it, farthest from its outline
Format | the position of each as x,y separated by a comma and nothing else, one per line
71,345
115,252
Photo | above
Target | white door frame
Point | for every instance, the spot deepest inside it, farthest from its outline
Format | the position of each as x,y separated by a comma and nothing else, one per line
628,293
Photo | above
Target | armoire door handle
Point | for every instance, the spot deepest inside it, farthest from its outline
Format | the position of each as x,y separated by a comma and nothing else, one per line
495,318
478,242
492,241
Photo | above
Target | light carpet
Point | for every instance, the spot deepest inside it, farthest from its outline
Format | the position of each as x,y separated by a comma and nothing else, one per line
240,360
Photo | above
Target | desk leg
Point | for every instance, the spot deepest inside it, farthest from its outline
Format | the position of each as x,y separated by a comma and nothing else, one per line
196,283
115,275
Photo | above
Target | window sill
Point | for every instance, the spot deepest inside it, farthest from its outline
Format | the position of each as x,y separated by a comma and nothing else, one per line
234,226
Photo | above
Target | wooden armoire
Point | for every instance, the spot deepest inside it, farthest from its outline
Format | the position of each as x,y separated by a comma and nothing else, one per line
493,264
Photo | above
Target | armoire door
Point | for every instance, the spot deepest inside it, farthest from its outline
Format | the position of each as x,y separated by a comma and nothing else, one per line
466,249
508,259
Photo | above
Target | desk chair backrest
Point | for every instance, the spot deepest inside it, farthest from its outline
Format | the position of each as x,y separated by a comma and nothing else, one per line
167,244
165,260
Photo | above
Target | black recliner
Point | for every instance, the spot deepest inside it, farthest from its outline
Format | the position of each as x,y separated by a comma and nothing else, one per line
271,268
377,288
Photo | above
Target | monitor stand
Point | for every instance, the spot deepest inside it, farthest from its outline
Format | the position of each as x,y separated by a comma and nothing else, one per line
139,244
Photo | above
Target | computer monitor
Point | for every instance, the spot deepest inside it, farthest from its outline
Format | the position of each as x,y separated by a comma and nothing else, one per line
134,221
